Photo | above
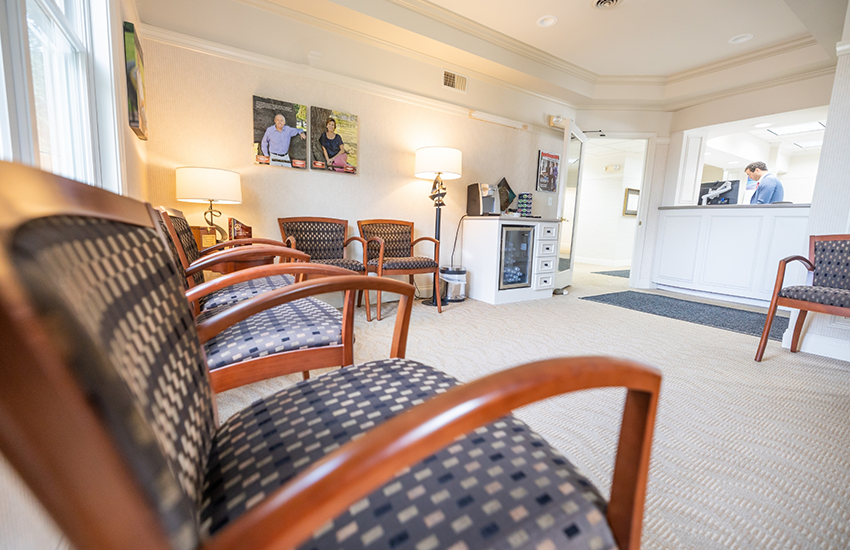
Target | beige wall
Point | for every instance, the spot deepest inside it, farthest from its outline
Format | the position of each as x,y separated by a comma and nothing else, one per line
134,153
199,114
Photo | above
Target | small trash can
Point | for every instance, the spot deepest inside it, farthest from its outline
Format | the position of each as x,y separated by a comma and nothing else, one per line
454,283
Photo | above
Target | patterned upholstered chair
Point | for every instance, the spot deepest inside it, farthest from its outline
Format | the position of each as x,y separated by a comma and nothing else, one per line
829,291
325,240
308,333
391,252
107,413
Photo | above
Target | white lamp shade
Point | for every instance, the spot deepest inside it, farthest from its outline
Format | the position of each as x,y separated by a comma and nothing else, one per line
445,161
208,184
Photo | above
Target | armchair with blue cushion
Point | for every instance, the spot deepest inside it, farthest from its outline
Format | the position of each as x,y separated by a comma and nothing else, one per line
107,413
390,252
829,266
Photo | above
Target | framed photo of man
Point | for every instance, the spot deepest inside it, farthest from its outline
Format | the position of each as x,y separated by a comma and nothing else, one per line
548,165
280,133
333,144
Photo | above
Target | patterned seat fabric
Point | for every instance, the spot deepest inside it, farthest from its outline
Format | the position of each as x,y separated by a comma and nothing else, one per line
242,291
832,264
501,486
129,331
414,262
397,239
353,265
819,295
302,324
187,240
321,240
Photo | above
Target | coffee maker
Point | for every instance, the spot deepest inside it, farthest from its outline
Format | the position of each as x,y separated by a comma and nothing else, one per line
482,200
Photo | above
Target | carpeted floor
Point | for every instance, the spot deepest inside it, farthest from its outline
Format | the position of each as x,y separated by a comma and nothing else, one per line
746,455
727,318
625,273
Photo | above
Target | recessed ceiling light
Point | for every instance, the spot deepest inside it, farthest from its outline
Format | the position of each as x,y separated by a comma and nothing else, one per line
763,125
740,39
809,144
797,128
547,21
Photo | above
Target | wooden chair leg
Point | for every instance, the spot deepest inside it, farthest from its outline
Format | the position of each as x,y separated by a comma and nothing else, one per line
764,334
368,303
305,374
798,328
379,305
410,279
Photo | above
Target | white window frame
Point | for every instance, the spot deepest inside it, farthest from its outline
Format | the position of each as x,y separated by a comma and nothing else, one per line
100,28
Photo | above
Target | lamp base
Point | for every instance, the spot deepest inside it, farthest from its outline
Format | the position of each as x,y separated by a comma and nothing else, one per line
433,303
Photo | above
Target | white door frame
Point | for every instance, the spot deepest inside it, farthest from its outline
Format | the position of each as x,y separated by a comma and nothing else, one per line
565,278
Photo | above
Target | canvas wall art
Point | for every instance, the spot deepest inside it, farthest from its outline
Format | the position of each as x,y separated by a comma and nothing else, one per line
280,133
135,67
333,140
548,165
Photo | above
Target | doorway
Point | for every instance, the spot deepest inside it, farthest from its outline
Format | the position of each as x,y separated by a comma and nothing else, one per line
612,180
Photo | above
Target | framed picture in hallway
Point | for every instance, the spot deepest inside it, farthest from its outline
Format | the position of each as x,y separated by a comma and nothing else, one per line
548,165
280,133
630,202
333,142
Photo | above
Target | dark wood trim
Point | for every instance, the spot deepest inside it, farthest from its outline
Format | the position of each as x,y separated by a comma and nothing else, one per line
351,472
239,242
255,252
277,364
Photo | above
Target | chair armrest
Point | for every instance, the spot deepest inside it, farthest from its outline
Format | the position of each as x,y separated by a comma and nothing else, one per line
436,246
300,268
780,273
208,328
244,253
293,512
238,242
380,242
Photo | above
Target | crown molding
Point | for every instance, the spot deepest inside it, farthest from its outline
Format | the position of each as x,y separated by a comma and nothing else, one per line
473,28
172,38
678,106
842,48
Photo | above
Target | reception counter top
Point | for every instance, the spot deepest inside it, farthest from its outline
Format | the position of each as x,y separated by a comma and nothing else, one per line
729,252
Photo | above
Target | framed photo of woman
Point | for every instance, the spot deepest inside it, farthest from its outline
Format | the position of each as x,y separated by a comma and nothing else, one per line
333,144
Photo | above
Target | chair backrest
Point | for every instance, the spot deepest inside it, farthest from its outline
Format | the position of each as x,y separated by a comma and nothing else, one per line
105,401
830,254
183,232
321,238
397,236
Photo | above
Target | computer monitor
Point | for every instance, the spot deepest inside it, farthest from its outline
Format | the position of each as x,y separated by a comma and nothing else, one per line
727,197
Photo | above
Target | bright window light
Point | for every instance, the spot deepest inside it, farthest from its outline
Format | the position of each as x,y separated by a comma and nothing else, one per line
60,91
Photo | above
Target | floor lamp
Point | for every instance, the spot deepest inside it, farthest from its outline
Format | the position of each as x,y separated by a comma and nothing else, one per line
439,163
209,185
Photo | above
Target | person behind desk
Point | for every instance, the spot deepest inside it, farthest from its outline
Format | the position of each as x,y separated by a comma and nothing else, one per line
275,144
769,187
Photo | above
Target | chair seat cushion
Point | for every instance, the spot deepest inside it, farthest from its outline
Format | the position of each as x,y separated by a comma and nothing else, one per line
244,290
302,324
353,265
501,486
413,262
818,294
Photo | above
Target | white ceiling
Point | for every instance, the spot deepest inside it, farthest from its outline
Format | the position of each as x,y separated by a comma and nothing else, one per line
637,37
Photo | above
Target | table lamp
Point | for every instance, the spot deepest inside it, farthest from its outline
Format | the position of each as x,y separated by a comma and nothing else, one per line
209,185
439,163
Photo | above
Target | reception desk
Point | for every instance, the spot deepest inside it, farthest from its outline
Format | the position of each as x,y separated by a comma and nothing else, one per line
729,252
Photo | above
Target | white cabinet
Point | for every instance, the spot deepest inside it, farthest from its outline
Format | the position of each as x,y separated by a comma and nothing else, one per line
484,258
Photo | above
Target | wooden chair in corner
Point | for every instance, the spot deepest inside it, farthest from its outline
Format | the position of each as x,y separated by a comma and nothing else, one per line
829,265
325,240
390,252
107,413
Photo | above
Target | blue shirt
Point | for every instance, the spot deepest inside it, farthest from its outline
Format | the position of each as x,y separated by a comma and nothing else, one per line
278,142
769,190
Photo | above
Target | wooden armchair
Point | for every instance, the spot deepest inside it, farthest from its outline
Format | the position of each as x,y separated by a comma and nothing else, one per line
107,413
325,241
390,252
829,264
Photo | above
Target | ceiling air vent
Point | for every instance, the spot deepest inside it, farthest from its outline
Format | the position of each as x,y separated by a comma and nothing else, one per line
454,81
603,4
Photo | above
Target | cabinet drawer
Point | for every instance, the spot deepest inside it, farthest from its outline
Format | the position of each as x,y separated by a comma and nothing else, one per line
546,248
548,230
545,265
544,281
